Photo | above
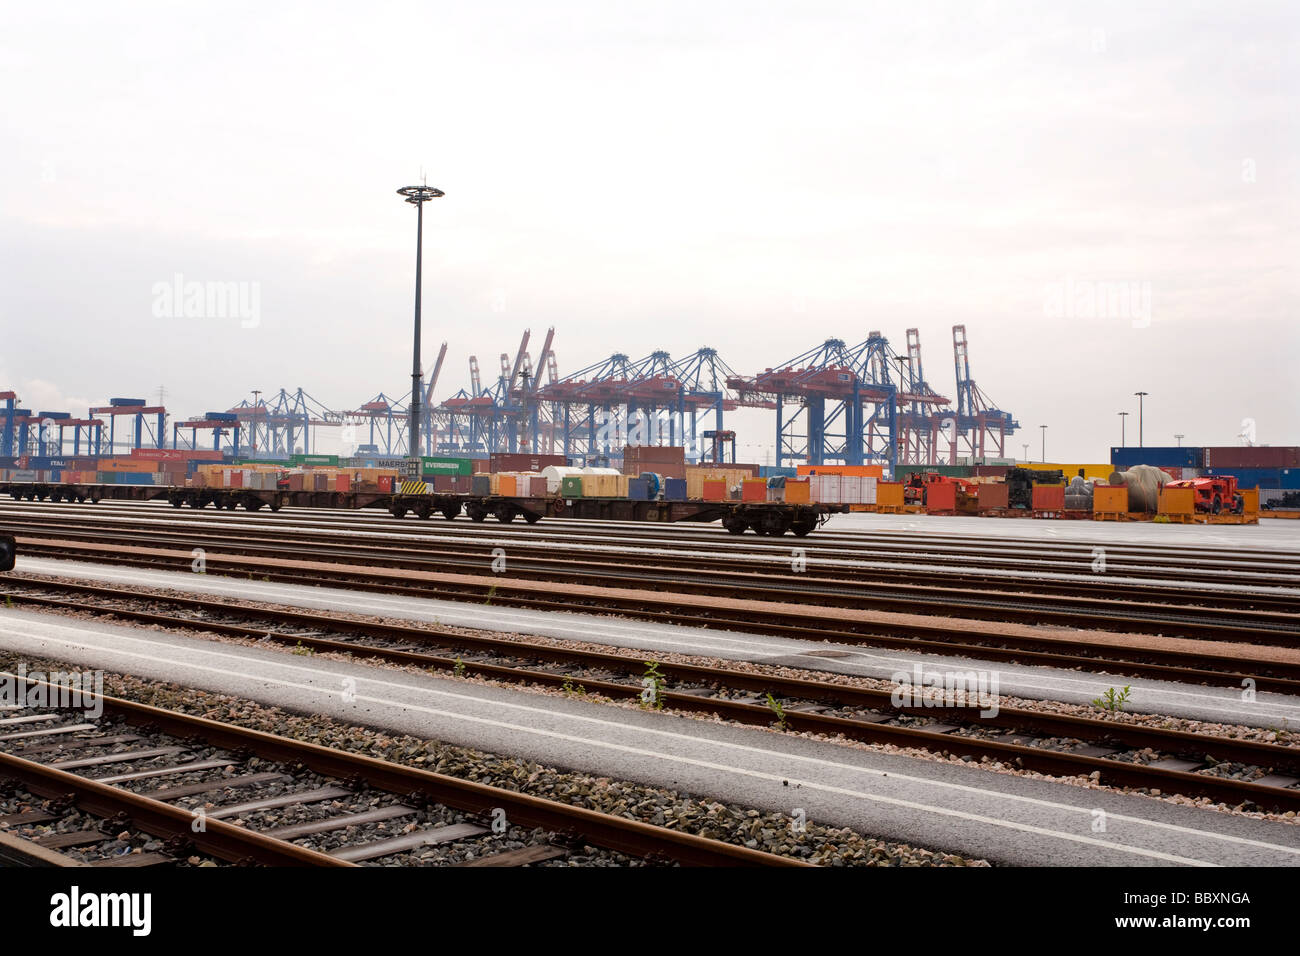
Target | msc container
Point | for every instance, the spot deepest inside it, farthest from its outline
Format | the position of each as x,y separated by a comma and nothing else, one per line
674,489
1255,457
571,486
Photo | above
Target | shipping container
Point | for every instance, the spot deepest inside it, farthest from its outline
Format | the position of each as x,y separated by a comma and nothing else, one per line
638,489
446,466
506,486
859,471
1048,497
1174,456
481,485
772,471
522,461
1253,457
713,489
571,486
797,490
753,489
942,496
674,489
1260,477
992,496
666,460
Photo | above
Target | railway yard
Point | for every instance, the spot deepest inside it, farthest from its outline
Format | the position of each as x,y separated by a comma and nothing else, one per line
626,475
330,688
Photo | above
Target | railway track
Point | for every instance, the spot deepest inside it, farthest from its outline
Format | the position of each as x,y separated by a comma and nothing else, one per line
1027,602
936,635
475,551
1114,753
184,779
1001,552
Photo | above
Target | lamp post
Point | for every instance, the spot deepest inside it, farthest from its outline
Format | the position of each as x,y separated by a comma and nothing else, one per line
417,196
1044,428
1180,440
1123,423
1025,445
1141,396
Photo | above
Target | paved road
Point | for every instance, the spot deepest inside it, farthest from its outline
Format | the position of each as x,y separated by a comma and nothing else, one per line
1184,700
950,807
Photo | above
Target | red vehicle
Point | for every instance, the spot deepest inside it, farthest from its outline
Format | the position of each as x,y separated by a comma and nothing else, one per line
1214,494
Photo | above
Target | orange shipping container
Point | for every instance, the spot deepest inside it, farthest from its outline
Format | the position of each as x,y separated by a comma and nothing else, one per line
714,489
889,494
796,491
1110,500
753,489
506,486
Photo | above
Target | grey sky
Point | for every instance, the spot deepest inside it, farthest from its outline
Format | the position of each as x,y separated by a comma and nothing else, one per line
751,177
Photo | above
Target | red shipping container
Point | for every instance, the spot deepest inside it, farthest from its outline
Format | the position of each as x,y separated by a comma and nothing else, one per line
753,489
1258,456
536,486
991,496
941,496
1049,498
236,478
510,461
443,483
343,481
714,489
385,484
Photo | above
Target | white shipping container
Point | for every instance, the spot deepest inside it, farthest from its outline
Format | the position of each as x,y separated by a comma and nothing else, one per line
868,490
851,489
831,489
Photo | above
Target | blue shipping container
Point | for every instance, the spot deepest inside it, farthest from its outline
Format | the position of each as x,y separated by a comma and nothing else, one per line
1261,478
1161,457
674,489
772,471
638,489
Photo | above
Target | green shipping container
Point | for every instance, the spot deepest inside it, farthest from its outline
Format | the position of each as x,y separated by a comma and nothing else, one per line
571,487
331,460
448,466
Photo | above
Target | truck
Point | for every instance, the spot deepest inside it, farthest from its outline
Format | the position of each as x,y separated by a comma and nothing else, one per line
1214,494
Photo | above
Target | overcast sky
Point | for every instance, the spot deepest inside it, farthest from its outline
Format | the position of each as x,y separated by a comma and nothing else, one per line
750,177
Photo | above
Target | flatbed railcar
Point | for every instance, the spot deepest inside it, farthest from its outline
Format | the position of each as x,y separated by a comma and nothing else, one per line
766,518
